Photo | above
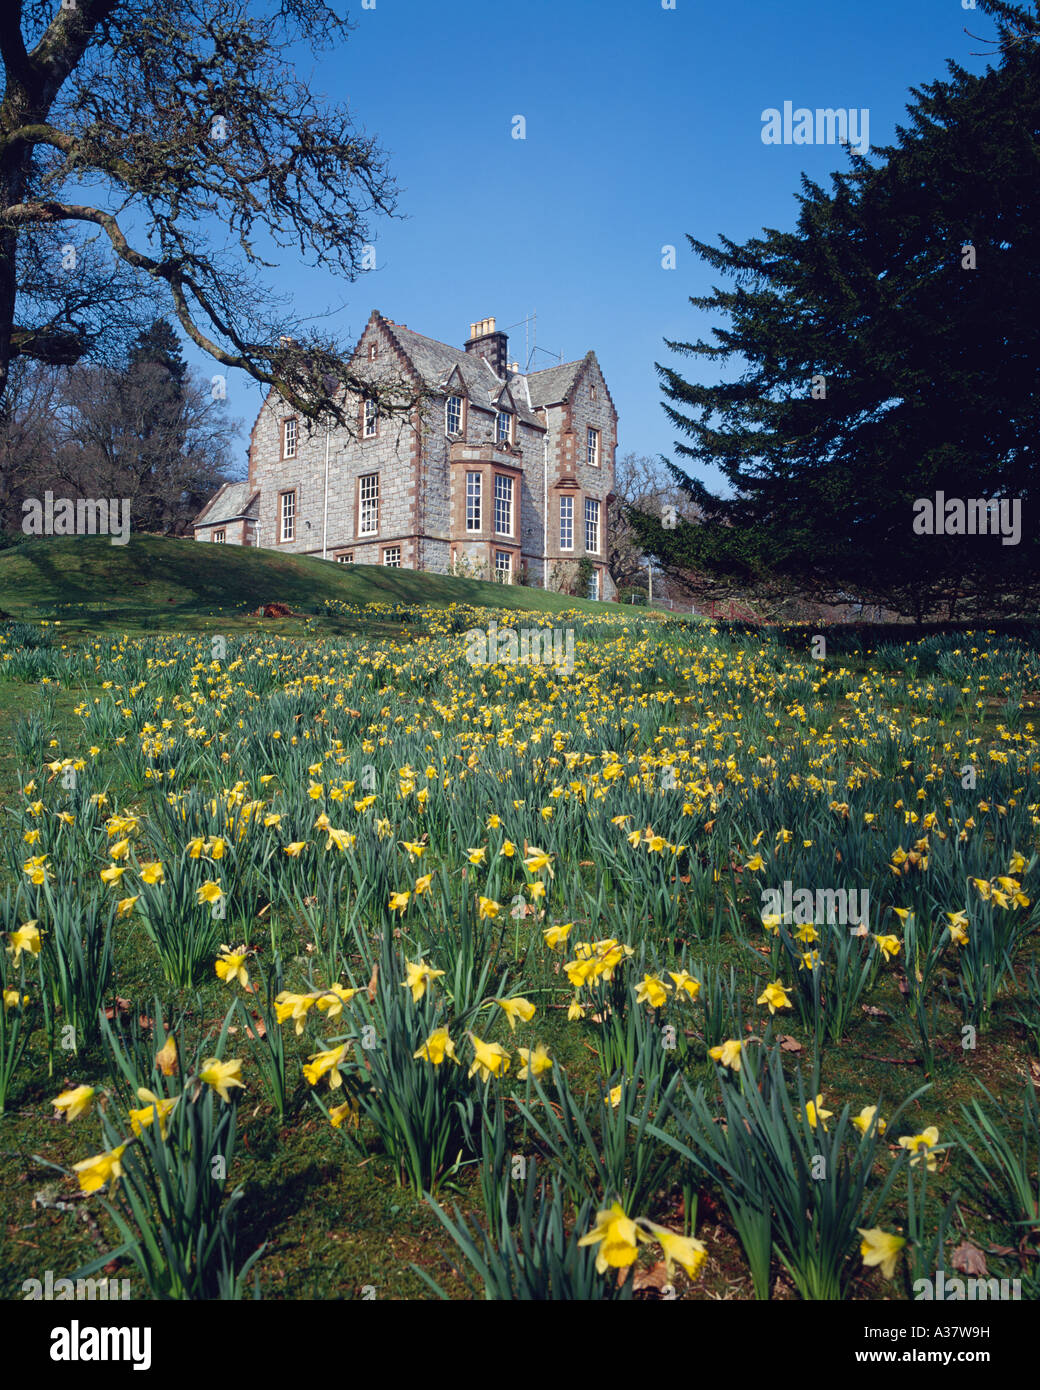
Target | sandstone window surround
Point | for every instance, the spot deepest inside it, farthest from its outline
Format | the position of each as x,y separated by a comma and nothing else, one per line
369,419
368,504
345,557
592,447
287,515
474,501
290,435
566,523
504,566
503,505
505,427
220,537
591,526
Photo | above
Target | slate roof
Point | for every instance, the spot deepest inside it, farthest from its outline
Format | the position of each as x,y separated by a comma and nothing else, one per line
229,503
435,361
553,384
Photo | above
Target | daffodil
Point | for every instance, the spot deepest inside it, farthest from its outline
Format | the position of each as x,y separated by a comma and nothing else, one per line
728,1053
327,1064
557,936
921,1145
210,892
294,1006
652,990
231,966
220,1075
419,975
154,1105
881,1248
865,1119
888,946
26,938
95,1172
330,1001
776,996
687,1251
683,980
399,901
349,1110
517,1008
436,1047
618,1238
490,1059
814,1112
487,908
534,1062
74,1102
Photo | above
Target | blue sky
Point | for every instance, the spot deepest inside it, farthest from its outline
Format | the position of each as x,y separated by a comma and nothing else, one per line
642,124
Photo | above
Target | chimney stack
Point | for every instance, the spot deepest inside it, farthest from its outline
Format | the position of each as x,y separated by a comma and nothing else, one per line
488,342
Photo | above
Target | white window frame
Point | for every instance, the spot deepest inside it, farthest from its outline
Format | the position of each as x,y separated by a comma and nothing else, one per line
345,557
592,536
508,417
448,412
370,419
504,494
507,568
593,589
566,523
394,550
592,447
290,437
287,516
220,536
368,507
474,501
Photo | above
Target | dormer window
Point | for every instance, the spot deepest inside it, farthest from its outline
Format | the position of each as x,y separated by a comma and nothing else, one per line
504,427
453,415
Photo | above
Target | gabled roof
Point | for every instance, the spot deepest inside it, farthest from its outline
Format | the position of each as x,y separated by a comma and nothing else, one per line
436,362
553,384
231,502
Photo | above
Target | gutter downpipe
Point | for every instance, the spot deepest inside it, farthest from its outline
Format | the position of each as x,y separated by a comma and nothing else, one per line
325,510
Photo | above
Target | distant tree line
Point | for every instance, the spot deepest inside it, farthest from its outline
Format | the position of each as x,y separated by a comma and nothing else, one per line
147,429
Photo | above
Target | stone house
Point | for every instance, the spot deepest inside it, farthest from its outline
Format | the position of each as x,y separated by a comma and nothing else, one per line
497,474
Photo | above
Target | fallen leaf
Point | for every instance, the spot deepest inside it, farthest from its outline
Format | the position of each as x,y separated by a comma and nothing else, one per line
259,1030
372,983
653,1278
969,1259
788,1044
872,1011
1003,1250
121,1005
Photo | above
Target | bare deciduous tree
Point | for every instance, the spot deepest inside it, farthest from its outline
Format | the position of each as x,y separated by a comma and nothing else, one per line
138,125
